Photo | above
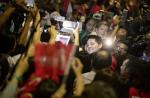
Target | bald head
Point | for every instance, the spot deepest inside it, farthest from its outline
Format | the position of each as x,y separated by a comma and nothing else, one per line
101,59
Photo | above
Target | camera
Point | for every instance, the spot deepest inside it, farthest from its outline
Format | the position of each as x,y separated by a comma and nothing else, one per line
59,18
45,36
70,26
66,25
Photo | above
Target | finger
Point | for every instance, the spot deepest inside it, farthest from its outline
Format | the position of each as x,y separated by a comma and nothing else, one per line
78,63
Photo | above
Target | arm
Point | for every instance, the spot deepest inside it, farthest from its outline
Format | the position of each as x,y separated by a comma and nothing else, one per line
116,21
23,37
4,17
115,31
23,63
79,85
76,34
53,32
60,92
20,69
36,36
11,87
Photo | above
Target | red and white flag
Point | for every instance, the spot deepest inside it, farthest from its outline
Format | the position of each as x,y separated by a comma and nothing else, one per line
67,7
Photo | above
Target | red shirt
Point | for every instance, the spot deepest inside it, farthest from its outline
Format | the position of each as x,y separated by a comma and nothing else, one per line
134,93
114,62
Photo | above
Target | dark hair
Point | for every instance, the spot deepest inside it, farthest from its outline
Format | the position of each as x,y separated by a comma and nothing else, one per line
87,20
99,89
98,24
120,59
100,2
45,89
4,69
45,37
97,39
101,59
53,21
138,71
7,43
124,42
108,76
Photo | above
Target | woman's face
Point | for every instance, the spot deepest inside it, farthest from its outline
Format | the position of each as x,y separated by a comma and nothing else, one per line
121,48
90,25
102,31
121,34
123,69
92,46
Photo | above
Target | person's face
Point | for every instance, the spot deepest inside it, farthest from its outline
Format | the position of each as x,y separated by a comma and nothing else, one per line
102,31
92,46
121,48
123,69
89,26
121,34
132,4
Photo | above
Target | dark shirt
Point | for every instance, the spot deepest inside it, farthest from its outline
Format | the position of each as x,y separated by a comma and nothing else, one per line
85,59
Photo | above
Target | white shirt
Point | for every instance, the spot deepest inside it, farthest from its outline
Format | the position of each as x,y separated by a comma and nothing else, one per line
13,60
88,77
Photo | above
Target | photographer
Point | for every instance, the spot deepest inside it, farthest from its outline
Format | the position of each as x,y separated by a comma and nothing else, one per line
22,64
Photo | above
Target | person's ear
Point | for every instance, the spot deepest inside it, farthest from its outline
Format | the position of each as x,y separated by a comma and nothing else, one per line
100,46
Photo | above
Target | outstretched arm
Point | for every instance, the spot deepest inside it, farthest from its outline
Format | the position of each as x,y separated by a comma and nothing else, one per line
79,84
24,34
5,16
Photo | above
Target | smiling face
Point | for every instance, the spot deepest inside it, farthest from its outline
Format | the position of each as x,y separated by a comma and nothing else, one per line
102,31
92,46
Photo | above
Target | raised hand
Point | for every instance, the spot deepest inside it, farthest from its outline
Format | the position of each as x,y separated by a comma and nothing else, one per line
77,66
60,92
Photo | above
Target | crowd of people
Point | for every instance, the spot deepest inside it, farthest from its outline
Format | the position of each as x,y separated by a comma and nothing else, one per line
104,54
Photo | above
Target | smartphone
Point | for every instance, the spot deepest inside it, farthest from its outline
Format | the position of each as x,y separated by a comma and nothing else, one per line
69,24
